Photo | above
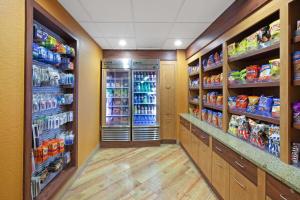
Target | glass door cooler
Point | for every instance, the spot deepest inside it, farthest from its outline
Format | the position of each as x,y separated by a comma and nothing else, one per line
145,98
116,101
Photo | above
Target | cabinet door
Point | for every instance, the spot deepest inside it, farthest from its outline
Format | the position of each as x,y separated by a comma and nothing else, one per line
220,176
240,186
168,127
205,159
194,147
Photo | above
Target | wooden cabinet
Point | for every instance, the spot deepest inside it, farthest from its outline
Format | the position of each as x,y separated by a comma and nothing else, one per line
276,190
220,175
185,134
240,186
204,159
194,147
167,100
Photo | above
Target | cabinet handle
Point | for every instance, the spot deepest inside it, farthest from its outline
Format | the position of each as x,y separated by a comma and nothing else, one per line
282,197
241,185
239,164
220,150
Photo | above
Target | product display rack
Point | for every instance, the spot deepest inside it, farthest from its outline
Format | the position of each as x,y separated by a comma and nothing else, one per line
193,93
58,91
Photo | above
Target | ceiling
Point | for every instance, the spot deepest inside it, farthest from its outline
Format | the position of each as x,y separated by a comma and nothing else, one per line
145,24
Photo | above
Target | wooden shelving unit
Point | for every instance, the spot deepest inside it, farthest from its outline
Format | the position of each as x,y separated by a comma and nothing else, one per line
255,85
213,87
194,103
296,126
213,67
297,39
297,82
193,92
215,107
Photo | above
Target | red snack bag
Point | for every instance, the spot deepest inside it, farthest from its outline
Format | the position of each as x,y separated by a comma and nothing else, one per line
252,72
242,102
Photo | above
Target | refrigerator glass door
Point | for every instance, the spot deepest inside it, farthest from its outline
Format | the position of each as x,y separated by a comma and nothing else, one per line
145,98
117,111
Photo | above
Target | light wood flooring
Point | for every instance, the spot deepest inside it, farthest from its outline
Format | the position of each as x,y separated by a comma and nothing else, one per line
151,173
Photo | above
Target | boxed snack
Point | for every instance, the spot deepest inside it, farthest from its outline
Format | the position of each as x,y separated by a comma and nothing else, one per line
276,107
265,106
265,72
275,69
252,72
232,51
242,102
213,98
233,125
253,103
275,30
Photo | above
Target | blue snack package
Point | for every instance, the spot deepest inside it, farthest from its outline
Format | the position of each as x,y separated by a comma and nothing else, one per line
265,106
204,63
42,53
296,55
232,102
35,51
50,57
57,58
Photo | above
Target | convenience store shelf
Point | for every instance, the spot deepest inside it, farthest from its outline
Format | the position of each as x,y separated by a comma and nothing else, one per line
254,85
297,39
194,103
212,87
257,52
297,82
213,67
296,126
257,117
193,74
215,107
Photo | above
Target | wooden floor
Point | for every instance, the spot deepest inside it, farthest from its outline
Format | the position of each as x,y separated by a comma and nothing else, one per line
150,173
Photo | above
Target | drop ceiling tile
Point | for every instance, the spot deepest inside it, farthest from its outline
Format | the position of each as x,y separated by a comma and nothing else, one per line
202,10
187,30
117,29
114,42
150,42
103,43
75,9
152,29
109,11
156,10
92,28
169,44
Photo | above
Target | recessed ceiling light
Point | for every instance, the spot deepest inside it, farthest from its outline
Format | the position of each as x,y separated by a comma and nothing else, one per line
122,43
178,43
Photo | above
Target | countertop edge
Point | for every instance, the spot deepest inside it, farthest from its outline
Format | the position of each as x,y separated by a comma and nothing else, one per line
288,174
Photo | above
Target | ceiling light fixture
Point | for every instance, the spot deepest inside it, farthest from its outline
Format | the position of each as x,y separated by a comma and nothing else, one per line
178,43
122,43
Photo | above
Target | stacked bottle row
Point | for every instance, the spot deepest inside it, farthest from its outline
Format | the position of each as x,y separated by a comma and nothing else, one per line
144,76
144,110
144,99
145,87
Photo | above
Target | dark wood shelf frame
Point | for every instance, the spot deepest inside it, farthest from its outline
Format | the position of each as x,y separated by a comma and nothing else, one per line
35,12
297,39
215,107
212,87
194,103
297,82
250,54
296,126
214,67
194,88
257,117
254,85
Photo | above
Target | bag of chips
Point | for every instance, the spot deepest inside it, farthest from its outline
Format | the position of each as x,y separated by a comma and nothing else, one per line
258,134
232,102
276,107
243,128
274,140
242,102
252,72
275,69
215,119
252,105
265,106
233,125
275,30
204,114
265,72
220,119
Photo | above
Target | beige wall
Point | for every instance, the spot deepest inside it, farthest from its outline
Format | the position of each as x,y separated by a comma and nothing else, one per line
12,34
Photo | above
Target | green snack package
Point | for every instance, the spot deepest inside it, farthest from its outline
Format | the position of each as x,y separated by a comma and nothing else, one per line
275,30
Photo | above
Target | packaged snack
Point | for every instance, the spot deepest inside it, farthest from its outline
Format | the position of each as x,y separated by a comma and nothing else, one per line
220,120
232,49
295,153
217,57
213,98
263,36
219,101
232,102
209,116
252,42
274,140
204,98
296,56
50,42
265,72
265,106
215,119
42,53
204,63
243,128
252,105
297,69
204,114
276,107
242,102
35,51
296,109
258,134
242,47
275,30
275,69
211,60
243,74
252,72
234,76
233,125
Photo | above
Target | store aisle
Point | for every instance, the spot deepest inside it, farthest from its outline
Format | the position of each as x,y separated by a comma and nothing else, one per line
140,173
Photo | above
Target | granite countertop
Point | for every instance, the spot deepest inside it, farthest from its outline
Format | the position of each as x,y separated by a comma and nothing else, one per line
287,174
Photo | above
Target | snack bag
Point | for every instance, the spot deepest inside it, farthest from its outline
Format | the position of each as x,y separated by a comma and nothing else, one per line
252,105
252,42
213,98
242,47
204,114
220,120
295,153
219,100
263,36
209,116
276,108
232,102
252,72
233,125
204,63
265,106
275,69
296,109
211,60
217,57
232,51
258,134
274,140
265,72
242,102
243,128
275,30
215,119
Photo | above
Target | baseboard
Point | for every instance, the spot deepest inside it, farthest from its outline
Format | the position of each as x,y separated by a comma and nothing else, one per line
203,175
78,172
168,141
129,144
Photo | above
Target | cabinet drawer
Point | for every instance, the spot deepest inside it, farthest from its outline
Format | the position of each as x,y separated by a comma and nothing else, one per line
185,123
221,149
279,191
204,137
244,166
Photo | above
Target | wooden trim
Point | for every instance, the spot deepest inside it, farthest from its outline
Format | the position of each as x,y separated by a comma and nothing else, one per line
34,10
202,174
163,55
168,141
238,11
129,144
